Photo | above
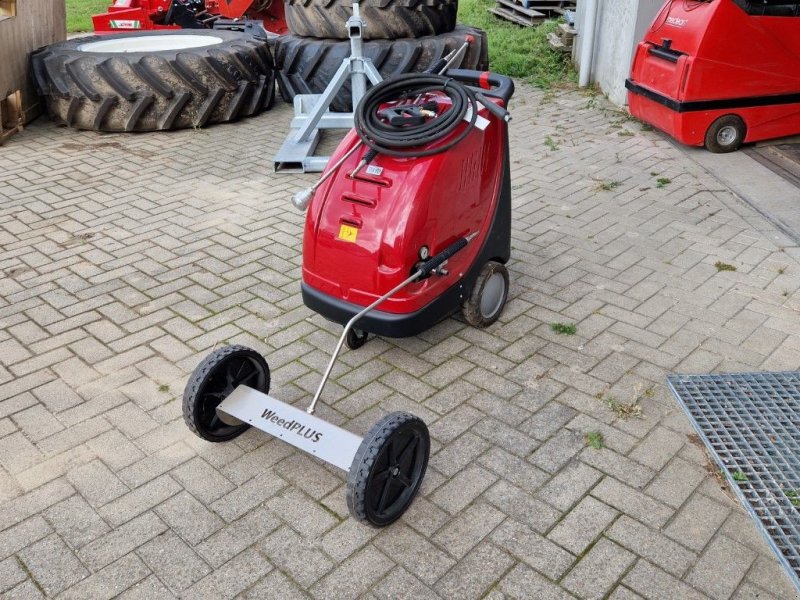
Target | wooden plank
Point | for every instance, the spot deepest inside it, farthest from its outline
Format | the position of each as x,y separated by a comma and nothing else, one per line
510,16
37,23
10,116
520,9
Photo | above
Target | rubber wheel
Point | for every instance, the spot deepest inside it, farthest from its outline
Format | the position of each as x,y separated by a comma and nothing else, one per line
212,381
306,65
488,296
726,134
388,469
385,19
155,80
356,338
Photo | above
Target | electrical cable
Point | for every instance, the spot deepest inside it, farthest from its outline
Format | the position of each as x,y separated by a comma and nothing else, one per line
407,140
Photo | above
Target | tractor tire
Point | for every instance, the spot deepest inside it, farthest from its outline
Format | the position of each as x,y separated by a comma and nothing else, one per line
306,65
385,19
155,80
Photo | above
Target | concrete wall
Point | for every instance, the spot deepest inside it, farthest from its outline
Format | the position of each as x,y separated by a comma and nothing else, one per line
620,26
37,23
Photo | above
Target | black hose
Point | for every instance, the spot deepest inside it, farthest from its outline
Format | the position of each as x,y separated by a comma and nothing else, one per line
406,141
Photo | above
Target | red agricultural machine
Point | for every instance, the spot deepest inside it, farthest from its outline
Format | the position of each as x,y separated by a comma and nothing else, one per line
719,73
127,15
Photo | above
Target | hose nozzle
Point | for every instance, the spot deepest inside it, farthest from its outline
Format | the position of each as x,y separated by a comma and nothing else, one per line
302,198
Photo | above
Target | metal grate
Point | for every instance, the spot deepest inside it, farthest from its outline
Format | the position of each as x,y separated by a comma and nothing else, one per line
750,422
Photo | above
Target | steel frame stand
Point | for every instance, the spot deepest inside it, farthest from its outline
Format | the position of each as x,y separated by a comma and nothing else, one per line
312,111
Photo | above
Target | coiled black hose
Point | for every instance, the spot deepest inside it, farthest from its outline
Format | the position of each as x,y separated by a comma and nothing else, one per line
406,141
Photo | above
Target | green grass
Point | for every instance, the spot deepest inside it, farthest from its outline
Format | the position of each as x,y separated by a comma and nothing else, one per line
594,439
564,328
79,13
520,52
721,266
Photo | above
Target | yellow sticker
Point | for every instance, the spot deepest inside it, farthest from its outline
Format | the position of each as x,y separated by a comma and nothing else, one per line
348,233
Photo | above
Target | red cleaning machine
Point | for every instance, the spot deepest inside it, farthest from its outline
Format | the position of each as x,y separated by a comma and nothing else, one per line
717,73
421,170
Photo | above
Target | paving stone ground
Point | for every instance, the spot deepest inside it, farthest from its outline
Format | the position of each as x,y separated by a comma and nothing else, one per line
126,258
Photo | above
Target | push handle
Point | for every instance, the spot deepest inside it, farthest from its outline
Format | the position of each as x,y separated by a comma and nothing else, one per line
433,263
498,111
490,84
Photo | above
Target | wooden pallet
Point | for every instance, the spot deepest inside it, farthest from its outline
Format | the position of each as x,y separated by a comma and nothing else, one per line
10,116
530,13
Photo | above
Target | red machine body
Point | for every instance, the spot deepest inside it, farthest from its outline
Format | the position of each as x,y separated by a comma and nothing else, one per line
705,59
363,234
132,15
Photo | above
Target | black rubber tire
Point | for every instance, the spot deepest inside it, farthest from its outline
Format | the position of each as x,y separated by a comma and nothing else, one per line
372,466
206,389
732,123
356,338
385,19
474,313
155,90
306,65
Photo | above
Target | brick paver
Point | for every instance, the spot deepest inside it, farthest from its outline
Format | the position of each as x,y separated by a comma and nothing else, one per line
125,259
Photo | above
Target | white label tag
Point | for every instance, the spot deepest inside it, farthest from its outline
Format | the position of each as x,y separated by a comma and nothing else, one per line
310,434
480,122
374,170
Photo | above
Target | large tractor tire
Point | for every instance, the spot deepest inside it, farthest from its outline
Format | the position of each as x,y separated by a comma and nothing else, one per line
385,19
155,80
306,65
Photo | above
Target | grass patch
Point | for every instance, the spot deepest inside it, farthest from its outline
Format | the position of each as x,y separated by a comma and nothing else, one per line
519,52
79,13
594,439
607,186
624,410
793,496
739,476
721,266
163,388
663,181
564,328
550,143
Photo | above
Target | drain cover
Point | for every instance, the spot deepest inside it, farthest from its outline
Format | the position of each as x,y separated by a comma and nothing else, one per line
751,424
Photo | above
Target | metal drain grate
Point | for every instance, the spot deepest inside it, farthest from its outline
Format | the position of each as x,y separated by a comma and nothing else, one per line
751,424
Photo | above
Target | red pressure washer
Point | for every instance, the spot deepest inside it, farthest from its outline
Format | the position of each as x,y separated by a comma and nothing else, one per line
420,184
720,72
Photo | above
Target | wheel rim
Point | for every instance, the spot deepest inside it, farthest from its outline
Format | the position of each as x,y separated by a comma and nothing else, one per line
492,295
727,135
223,379
396,475
151,43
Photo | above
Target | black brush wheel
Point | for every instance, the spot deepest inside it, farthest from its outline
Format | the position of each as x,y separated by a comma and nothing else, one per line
212,381
388,469
488,296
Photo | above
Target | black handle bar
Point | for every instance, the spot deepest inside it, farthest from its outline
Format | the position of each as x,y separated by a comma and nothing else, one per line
490,84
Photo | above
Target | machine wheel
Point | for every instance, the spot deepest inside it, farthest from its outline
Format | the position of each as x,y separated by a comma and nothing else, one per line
385,19
388,469
488,296
212,381
356,338
306,65
155,80
726,134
